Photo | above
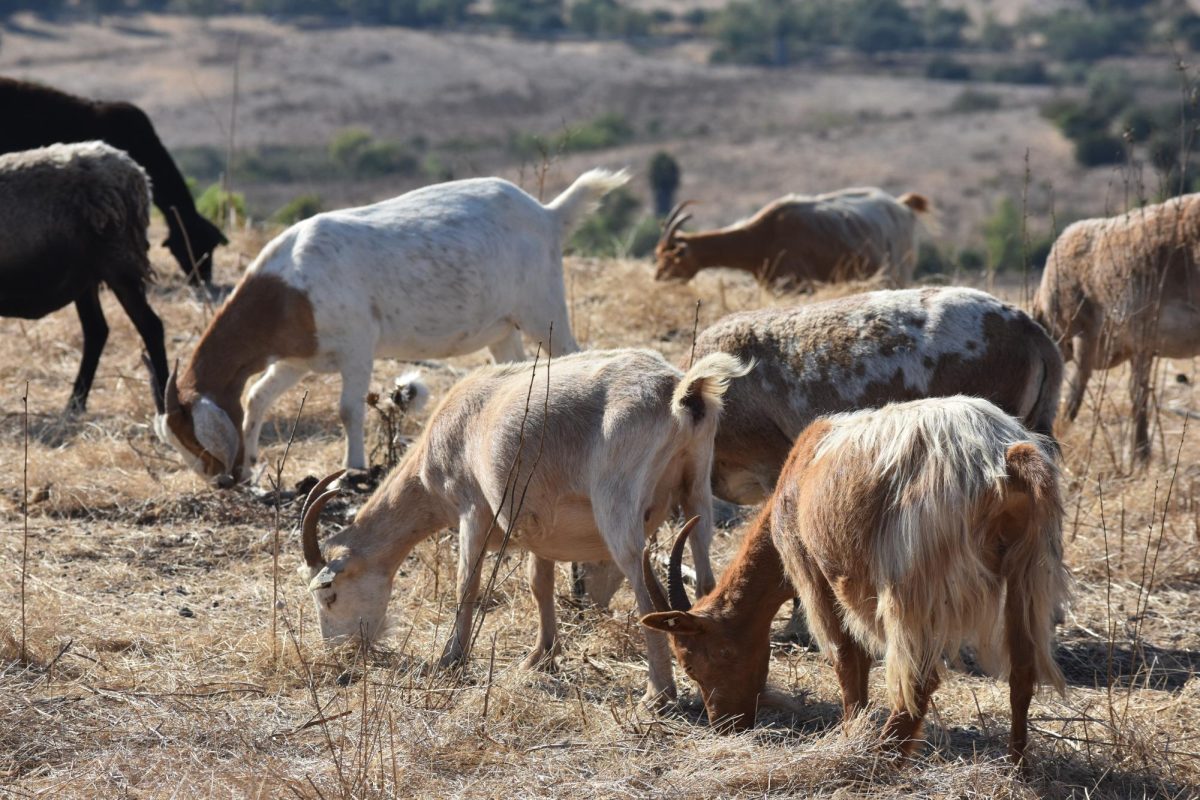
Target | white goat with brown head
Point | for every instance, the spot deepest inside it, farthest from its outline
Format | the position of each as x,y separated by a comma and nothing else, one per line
844,235
1125,289
909,531
584,468
440,271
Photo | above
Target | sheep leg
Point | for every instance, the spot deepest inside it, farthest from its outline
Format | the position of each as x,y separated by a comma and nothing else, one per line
1140,370
541,584
280,377
356,380
472,537
150,328
902,727
510,348
95,334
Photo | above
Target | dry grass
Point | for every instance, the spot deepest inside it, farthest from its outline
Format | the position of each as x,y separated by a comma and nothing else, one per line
152,671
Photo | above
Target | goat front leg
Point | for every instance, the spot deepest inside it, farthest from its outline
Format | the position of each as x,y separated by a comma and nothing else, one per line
356,380
150,328
95,334
541,584
902,726
509,348
472,539
280,377
1141,368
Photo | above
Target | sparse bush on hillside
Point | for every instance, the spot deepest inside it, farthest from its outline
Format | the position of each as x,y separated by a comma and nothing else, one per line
946,68
216,204
970,101
1099,149
1024,72
608,18
300,207
664,181
533,17
616,229
607,130
1010,241
1083,36
356,151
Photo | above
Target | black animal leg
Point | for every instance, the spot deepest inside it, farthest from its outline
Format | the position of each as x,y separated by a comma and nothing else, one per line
95,334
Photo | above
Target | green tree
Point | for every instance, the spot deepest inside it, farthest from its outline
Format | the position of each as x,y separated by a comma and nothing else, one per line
664,181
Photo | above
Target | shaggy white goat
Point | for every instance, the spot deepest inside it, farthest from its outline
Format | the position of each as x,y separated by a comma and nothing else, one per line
440,271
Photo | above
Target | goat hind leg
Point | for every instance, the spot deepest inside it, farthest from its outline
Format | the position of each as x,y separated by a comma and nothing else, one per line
356,380
95,334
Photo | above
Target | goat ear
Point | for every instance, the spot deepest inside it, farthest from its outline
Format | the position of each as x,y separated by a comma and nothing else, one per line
323,579
214,431
680,623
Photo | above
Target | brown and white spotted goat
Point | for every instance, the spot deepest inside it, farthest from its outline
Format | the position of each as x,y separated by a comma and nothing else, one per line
580,466
909,531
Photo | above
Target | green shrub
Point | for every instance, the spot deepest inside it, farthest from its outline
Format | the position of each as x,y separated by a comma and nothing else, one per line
943,27
535,17
298,208
616,229
215,203
972,100
346,144
1025,72
1083,36
1099,149
945,68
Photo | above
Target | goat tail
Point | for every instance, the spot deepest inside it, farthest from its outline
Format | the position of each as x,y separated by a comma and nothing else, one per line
1038,584
702,389
918,202
582,196
411,393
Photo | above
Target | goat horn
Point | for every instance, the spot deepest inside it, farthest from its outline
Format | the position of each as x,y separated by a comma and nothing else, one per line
657,598
670,224
674,227
308,530
316,491
675,591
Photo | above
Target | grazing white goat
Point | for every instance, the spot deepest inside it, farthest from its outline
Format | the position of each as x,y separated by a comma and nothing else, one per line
584,468
440,271
909,531
1125,289
74,218
844,235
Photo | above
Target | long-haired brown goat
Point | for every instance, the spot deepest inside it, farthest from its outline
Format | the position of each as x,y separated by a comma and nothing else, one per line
909,531
849,234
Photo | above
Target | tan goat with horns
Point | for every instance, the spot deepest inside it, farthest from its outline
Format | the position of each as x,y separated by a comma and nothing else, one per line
579,466
908,531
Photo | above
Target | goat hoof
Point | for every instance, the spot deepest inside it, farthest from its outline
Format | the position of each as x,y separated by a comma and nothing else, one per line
659,701
540,661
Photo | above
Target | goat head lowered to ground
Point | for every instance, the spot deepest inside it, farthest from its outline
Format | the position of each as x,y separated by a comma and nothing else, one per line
909,531
1125,289
440,271
844,235
599,457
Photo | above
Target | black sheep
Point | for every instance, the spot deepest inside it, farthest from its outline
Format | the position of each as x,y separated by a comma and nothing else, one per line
35,116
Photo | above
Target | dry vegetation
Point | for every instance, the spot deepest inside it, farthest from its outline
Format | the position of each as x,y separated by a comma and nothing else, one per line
155,666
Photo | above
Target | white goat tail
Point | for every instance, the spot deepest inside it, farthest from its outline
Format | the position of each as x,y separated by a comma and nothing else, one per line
582,196
704,385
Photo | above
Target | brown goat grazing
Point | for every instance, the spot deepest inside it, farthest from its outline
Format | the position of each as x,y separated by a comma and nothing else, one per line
845,235
1125,289
909,531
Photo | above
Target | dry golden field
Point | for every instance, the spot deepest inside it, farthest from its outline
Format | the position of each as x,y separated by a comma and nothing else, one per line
166,654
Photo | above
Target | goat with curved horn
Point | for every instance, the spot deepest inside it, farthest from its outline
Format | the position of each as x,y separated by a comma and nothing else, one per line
676,593
313,505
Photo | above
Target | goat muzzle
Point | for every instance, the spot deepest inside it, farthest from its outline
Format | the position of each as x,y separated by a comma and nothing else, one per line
310,517
676,593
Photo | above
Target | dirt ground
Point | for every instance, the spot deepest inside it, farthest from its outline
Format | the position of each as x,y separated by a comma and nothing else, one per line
167,654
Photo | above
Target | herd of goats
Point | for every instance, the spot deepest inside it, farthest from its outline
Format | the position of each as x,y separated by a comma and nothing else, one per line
900,441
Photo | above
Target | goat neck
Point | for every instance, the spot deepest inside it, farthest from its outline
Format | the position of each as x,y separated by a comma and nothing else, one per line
737,247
